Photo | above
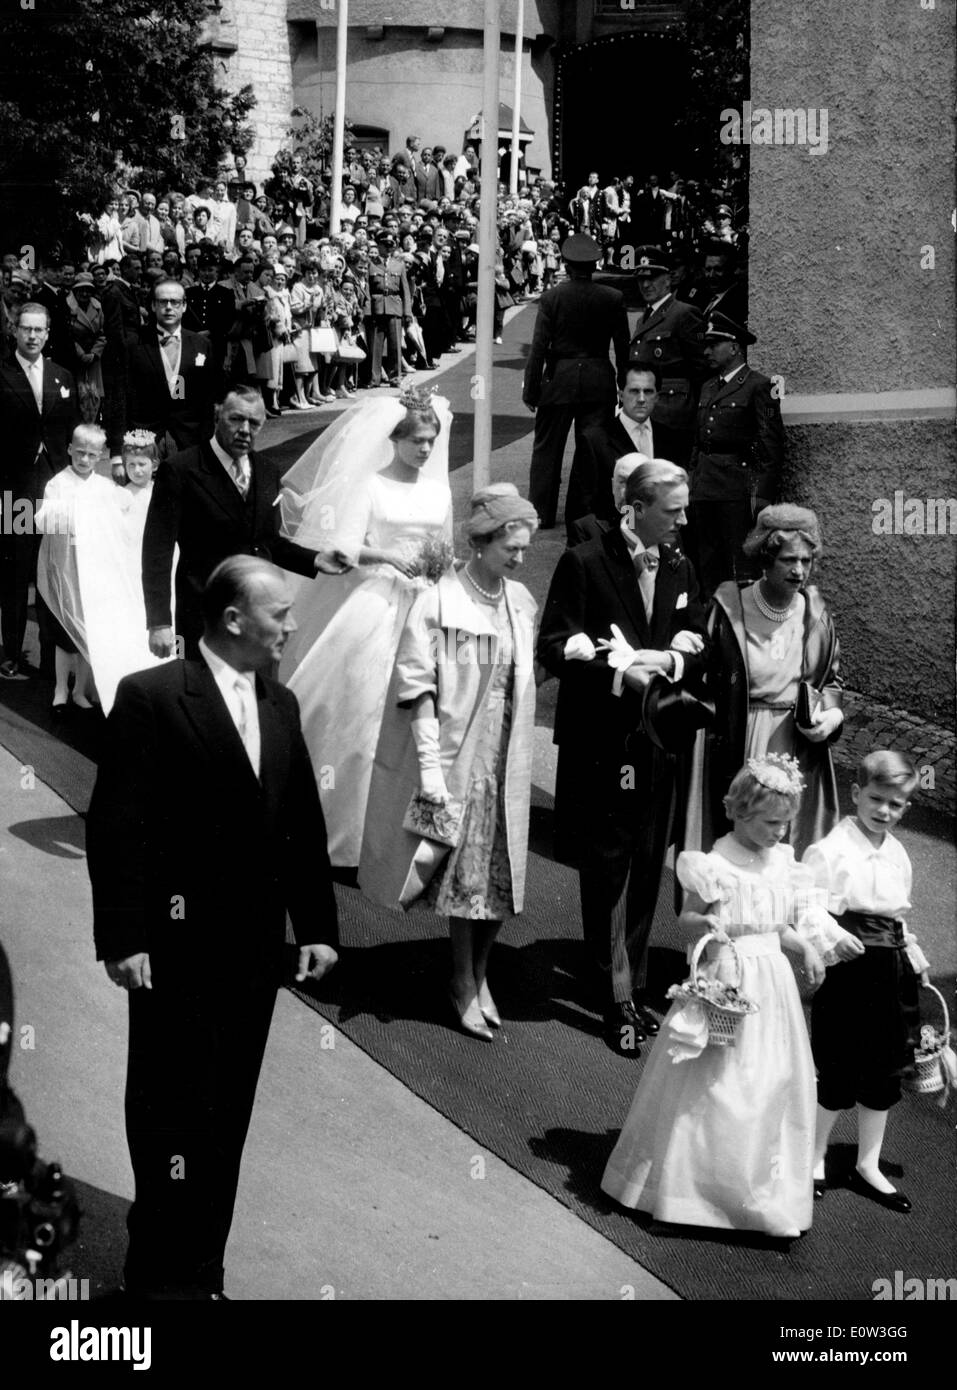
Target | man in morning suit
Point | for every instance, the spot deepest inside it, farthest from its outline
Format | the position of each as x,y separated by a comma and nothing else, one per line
204,829
38,411
214,500
172,378
568,376
621,609
668,336
600,448
738,454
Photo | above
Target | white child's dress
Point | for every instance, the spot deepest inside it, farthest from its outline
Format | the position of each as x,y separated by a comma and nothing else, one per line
723,1136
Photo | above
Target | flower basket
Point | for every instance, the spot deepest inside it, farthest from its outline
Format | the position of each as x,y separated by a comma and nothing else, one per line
724,1004
928,1075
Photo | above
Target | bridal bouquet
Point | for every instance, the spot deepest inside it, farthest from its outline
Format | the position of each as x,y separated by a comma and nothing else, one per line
433,558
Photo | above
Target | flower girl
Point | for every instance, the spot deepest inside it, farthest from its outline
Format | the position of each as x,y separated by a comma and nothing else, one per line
723,1136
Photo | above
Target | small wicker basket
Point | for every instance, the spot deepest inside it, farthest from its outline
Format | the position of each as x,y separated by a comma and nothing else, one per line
928,1075
722,1017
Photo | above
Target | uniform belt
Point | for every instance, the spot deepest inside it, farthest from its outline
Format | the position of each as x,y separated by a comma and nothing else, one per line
581,357
766,704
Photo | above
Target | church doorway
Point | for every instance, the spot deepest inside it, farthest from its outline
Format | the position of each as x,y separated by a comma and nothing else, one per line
618,104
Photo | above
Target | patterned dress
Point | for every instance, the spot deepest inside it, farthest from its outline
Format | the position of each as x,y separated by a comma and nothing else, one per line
475,880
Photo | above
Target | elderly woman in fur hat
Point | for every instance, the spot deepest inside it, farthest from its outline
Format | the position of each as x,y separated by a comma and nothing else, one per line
774,678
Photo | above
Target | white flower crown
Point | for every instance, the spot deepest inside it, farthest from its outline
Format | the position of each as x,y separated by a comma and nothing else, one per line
778,772
139,439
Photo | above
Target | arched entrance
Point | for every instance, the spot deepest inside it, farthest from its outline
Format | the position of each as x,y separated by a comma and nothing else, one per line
618,102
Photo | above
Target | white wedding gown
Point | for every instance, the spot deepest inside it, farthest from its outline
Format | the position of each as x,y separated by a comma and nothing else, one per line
339,663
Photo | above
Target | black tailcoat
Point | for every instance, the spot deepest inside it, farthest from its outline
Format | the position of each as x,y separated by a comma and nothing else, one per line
196,504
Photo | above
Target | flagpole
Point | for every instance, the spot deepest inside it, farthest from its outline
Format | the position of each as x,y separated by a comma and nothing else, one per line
339,122
488,239
517,100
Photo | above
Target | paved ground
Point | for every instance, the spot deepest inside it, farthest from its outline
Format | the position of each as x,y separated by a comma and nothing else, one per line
352,1187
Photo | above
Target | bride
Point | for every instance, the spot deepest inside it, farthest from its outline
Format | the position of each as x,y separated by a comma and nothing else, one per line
374,488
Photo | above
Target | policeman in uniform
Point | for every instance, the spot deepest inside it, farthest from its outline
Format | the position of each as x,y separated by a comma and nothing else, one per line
210,307
738,453
569,376
390,306
668,336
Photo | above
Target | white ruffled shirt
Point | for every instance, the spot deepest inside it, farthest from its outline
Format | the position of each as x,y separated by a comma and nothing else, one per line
858,877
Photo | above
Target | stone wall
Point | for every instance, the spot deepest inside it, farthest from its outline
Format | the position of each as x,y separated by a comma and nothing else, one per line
262,59
402,86
852,301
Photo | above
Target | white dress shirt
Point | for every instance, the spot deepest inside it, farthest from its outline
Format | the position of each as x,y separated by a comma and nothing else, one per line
238,689
728,376
229,463
642,434
34,371
647,579
171,368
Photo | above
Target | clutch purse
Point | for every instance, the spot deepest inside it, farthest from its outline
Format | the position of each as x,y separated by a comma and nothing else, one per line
807,704
431,821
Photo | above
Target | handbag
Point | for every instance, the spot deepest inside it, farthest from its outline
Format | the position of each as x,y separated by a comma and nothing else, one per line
289,353
808,702
323,340
350,352
434,821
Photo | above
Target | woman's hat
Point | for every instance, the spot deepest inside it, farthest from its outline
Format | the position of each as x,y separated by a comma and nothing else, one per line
783,516
83,279
671,716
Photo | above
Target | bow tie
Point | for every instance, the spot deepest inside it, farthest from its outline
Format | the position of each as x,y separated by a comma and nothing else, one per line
168,338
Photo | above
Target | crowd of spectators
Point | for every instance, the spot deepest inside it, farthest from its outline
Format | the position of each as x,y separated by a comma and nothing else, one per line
311,317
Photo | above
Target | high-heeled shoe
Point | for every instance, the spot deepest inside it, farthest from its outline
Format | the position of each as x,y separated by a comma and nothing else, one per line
489,1012
476,1028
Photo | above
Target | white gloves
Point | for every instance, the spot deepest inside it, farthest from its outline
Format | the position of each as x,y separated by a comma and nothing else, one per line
579,647
425,733
688,642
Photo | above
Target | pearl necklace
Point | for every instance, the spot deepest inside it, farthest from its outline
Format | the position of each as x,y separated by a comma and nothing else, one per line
774,615
492,598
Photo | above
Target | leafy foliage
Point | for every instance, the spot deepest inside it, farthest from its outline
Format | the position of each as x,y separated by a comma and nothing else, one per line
100,92
719,72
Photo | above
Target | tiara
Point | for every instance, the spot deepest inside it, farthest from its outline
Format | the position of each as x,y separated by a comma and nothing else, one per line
778,772
418,397
139,439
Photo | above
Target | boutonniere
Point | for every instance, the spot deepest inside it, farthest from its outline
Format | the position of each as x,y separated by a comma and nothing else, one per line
200,358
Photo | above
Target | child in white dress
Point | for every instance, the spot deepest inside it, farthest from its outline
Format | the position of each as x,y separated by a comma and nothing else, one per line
723,1136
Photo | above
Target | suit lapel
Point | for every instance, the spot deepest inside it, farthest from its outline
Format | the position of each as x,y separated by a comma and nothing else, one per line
214,479
52,384
621,437
666,593
206,711
17,378
273,748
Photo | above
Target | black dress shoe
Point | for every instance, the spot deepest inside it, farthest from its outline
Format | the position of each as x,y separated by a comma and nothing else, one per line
893,1201
646,1018
623,1031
